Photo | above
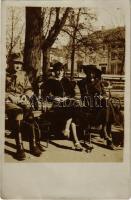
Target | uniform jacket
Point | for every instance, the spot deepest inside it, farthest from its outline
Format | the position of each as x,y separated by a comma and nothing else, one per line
17,85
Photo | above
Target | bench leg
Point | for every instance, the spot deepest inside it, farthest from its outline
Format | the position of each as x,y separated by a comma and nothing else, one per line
48,137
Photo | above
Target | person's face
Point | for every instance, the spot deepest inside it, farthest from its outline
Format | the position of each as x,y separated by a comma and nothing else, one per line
92,75
17,67
59,73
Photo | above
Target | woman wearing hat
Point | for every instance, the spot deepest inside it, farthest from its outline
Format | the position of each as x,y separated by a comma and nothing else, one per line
60,91
18,107
94,97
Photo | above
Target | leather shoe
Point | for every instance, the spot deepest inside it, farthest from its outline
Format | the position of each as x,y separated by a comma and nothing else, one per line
110,145
34,150
78,147
40,147
20,154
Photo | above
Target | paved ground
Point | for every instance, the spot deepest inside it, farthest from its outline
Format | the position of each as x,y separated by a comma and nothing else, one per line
62,151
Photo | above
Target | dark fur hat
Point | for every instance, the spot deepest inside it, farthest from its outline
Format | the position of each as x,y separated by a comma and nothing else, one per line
98,73
91,68
57,66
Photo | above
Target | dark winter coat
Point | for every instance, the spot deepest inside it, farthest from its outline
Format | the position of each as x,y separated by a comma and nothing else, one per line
57,88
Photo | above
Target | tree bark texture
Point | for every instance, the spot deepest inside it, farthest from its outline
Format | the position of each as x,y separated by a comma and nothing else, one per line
72,57
46,59
74,42
32,49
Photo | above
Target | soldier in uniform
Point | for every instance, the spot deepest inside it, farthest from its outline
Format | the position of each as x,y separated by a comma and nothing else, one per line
60,91
97,109
18,107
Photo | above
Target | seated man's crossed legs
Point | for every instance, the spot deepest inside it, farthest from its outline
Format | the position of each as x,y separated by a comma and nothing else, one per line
16,114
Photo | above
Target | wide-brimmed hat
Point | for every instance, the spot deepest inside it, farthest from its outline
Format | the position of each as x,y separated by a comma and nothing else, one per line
91,68
57,66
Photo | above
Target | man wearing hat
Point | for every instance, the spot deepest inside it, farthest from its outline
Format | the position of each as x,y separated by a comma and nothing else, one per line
18,107
95,100
60,91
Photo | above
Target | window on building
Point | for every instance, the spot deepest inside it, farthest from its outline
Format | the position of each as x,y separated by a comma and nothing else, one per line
79,67
119,68
104,60
113,55
113,46
113,68
104,47
120,56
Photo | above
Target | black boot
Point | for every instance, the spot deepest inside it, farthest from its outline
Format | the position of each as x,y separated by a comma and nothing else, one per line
40,146
20,153
34,149
38,136
110,145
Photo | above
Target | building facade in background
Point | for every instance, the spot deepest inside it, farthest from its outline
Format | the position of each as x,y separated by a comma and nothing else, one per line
104,48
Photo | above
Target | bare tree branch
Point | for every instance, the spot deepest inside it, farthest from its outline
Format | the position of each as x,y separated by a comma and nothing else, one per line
55,30
48,25
16,39
14,29
57,14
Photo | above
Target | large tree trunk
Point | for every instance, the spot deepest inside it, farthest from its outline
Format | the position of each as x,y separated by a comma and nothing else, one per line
46,61
32,50
74,42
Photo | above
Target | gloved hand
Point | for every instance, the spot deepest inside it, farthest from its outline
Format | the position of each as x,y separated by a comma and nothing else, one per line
24,101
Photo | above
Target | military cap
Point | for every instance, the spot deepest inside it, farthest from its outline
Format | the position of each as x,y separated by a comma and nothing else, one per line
12,62
17,61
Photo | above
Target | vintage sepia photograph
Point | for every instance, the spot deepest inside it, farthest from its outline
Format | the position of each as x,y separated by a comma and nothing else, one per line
65,84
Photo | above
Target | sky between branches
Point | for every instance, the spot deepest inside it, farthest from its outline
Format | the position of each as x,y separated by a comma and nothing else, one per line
108,18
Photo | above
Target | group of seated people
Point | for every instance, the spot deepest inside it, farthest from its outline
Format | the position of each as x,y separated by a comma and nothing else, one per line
91,108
